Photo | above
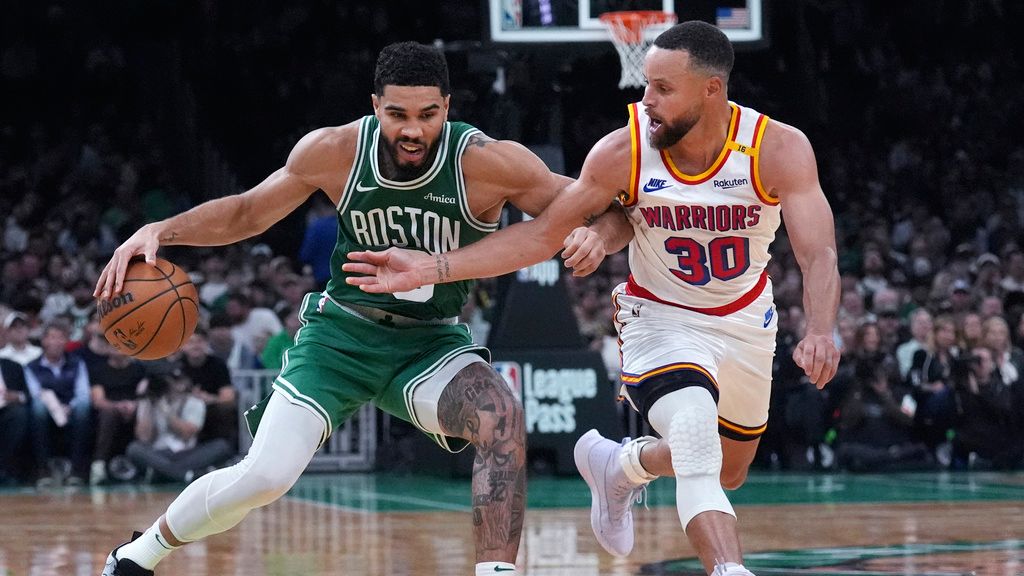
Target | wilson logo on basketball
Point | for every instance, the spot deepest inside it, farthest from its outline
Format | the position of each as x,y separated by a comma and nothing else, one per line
107,306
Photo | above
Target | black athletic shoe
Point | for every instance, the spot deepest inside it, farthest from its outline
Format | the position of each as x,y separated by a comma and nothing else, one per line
124,567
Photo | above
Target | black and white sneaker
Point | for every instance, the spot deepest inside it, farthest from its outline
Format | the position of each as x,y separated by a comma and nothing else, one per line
123,566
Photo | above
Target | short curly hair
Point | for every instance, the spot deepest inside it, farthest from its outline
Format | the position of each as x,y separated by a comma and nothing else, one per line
411,64
708,46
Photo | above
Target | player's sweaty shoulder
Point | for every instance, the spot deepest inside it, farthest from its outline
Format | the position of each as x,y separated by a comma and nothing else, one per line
325,154
609,160
502,162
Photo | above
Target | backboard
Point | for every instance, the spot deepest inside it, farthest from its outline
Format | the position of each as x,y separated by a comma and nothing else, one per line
554,21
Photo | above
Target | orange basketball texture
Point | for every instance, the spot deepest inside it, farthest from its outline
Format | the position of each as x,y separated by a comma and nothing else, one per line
156,311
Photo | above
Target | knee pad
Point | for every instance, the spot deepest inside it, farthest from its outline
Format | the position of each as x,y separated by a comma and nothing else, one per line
688,419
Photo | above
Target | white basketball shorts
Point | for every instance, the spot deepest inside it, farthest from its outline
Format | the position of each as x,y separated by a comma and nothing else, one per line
734,351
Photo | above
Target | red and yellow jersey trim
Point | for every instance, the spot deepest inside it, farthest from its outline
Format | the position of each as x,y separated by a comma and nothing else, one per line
744,431
723,155
635,379
629,196
634,289
755,170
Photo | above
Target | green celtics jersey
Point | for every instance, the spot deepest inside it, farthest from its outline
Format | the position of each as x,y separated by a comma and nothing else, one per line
430,213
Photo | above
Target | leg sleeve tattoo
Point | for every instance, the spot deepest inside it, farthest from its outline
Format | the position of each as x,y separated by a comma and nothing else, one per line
478,406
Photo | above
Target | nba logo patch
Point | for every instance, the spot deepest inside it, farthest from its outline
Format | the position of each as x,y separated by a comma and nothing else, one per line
513,375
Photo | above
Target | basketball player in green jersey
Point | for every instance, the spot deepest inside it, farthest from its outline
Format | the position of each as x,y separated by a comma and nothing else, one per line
404,176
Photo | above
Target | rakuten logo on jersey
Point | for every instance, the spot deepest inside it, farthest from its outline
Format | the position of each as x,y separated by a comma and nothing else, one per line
730,183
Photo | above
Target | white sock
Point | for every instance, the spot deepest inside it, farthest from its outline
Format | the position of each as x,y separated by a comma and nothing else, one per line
629,457
147,550
495,569
731,569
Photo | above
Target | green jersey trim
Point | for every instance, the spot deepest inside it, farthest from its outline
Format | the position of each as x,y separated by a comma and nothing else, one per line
435,169
357,164
410,389
460,183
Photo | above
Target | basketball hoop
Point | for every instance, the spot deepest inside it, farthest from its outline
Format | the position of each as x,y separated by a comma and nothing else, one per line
633,32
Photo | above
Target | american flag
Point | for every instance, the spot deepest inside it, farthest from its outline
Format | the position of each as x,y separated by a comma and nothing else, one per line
732,18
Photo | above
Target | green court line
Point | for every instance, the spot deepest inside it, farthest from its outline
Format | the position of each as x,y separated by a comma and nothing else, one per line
393,492
387,492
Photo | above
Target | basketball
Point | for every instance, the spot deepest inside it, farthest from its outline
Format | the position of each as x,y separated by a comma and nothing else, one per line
156,311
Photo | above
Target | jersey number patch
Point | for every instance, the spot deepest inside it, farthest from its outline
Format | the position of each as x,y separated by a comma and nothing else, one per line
730,258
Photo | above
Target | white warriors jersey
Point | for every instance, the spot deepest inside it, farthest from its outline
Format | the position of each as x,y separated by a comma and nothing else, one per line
701,242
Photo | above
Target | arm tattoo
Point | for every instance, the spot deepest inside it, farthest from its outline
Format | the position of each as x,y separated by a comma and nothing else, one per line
480,140
444,271
589,220
478,406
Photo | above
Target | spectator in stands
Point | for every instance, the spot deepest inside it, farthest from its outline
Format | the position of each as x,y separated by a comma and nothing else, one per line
293,288
59,385
212,381
82,309
18,348
846,333
798,405
961,301
921,339
930,380
319,239
273,352
59,299
117,384
851,306
225,346
214,284
988,276
1013,281
96,348
886,306
987,431
167,428
14,418
875,434
1008,359
970,331
874,270
991,306
250,323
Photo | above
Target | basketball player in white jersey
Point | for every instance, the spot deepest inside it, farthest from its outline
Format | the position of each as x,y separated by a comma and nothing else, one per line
704,183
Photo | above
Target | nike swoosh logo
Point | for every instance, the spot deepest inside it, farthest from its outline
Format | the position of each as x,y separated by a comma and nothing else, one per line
648,188
500,569
768,317
361,188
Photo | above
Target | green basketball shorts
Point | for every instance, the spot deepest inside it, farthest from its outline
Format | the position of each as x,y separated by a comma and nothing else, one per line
341,361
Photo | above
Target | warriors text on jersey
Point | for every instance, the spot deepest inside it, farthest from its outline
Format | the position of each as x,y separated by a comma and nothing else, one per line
700,241
430,213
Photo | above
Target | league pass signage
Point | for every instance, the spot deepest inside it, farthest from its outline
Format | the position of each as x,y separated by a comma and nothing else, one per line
564,394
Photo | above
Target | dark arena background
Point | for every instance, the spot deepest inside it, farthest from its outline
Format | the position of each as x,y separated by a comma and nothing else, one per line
120,113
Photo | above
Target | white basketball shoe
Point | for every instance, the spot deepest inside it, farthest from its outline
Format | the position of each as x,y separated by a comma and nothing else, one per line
612,493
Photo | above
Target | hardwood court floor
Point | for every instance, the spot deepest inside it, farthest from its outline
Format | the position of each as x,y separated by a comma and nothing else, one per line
822,525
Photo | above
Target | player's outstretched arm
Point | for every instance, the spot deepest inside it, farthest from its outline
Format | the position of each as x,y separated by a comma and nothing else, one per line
579,203
790,171
229,219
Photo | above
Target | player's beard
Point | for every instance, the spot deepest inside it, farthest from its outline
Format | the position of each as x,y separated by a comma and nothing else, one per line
395,170
672,132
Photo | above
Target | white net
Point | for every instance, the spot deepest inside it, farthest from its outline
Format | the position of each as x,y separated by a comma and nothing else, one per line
632,34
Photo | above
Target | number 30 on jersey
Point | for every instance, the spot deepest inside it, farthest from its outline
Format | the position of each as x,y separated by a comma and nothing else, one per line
729,258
